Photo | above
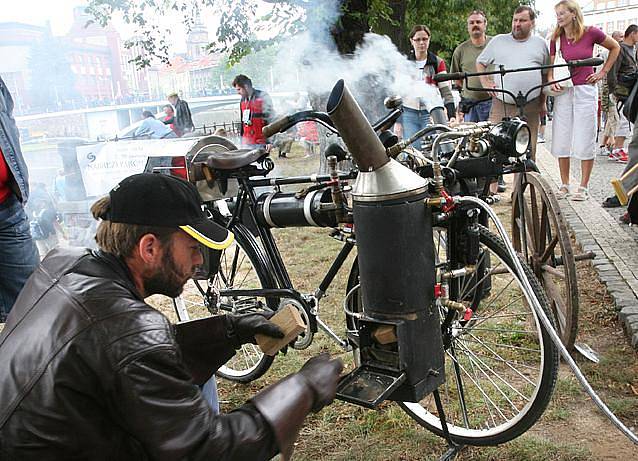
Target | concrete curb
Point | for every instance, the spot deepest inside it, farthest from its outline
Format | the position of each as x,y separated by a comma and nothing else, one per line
616,261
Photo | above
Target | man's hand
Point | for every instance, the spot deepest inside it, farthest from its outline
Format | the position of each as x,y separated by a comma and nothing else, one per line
242,328
489,84
322,375
268,148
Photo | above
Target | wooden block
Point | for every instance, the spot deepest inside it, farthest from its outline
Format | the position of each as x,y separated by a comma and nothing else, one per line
289,320
626,185
385,334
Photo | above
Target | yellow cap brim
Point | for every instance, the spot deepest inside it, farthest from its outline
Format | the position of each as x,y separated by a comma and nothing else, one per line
207,241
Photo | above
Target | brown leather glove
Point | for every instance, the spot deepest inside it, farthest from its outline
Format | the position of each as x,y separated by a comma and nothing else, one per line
286,403
242,328
322,375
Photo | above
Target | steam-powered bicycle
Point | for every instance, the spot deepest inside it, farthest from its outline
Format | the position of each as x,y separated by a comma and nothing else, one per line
439,315
539,229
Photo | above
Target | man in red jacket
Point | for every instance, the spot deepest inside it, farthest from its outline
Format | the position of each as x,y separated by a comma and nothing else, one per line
255,110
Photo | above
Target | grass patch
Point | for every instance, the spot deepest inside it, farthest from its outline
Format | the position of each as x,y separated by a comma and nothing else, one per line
531,449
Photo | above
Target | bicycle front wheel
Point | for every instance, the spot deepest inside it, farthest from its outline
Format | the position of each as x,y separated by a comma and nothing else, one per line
501,365
242,266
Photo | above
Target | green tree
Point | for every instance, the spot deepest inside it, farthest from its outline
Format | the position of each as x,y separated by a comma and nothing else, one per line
344,21
258,66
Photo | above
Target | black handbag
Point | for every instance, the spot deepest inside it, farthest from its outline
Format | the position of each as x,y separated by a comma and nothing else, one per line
630,105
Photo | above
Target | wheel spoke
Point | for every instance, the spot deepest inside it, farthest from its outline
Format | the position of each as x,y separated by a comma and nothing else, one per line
466,288
459,388
543,227
558,305
549,250
529,228
535,219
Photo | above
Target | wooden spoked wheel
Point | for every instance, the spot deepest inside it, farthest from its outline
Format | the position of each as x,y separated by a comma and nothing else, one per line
540,235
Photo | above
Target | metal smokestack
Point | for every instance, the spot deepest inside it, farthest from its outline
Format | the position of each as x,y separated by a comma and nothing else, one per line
380,177
354,128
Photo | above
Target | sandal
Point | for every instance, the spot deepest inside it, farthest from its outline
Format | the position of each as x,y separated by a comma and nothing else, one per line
563,192
580,195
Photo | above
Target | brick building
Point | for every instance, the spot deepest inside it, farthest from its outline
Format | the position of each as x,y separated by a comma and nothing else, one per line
610,15
94,55
16,40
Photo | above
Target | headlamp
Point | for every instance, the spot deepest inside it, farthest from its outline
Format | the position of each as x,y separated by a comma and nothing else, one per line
510,138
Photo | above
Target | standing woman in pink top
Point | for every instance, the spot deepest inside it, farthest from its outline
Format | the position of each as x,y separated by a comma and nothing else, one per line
574,126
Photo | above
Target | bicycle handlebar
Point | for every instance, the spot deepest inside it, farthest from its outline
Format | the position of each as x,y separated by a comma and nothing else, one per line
289,121
444,77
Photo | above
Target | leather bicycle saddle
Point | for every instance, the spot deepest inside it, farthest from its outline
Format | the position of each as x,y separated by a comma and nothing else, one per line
233,159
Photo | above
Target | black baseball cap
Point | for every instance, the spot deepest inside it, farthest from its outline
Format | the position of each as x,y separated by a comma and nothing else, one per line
153,199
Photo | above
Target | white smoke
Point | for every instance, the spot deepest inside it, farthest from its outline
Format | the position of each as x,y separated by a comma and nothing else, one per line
374,71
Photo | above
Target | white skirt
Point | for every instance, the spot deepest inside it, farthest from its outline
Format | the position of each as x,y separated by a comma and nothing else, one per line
575,123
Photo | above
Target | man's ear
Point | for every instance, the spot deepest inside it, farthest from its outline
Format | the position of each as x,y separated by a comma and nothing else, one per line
149,249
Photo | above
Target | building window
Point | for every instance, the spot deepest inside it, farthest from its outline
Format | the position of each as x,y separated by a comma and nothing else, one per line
620,25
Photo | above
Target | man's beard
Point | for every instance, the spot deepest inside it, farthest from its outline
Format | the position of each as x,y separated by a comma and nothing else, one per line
167,280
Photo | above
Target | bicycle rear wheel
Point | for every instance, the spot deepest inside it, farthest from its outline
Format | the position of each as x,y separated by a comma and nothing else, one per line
501,365
242,266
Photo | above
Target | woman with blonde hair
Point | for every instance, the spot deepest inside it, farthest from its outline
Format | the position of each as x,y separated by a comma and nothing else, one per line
575,120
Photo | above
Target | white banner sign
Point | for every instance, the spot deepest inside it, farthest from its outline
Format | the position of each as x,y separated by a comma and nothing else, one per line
106,164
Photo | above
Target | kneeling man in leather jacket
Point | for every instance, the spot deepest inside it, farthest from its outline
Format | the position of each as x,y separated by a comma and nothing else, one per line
89,371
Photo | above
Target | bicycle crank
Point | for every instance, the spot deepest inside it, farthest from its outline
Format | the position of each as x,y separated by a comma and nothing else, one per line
305,337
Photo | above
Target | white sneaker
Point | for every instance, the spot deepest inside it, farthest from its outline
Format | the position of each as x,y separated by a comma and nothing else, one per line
580,195
563,192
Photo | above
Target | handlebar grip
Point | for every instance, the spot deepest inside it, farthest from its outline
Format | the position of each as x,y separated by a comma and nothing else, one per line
592,62
444,76
276,126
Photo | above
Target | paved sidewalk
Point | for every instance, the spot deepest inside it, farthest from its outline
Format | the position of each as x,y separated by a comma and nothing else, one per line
597,229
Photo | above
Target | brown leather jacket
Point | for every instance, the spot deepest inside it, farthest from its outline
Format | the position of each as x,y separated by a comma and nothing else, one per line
89,371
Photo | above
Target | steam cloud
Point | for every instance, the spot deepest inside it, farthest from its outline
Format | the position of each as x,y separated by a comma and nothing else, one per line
374,71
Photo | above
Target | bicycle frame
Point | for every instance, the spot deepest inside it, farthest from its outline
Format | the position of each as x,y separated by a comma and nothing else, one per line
246,204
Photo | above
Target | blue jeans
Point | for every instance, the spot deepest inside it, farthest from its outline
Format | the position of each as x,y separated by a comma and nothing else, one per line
209,392
412,120
480,112
18,253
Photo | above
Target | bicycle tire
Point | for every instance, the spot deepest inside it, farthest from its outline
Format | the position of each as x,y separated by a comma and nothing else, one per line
473,429
242,266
